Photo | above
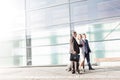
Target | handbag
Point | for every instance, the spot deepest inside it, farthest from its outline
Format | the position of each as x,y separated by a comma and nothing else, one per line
74,57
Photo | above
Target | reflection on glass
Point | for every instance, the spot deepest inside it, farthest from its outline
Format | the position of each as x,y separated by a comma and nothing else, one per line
52,43
79,11
49,16
77,0
103,38
47,23
51,55
37,4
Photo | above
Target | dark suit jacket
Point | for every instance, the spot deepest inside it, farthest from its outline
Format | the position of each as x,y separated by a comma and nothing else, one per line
87,48
75,45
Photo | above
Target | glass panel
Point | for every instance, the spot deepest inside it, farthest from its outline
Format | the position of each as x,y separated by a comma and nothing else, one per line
106,10
77,0
49,16
103,38
43,36
93,10
109,30
12,33
51,55
50,44
36,4
79,11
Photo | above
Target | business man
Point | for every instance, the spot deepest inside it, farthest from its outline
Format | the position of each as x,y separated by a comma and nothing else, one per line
87,51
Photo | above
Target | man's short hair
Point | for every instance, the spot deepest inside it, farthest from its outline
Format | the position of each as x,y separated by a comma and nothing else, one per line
74,32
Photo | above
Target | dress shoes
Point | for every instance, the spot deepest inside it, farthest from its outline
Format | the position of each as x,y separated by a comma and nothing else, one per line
69,69
73,72
78,71
91,69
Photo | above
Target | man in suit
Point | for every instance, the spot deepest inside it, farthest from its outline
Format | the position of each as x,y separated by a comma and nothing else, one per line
87,51
74,50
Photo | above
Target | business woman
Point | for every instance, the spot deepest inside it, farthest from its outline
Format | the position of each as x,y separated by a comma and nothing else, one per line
74,50
82,54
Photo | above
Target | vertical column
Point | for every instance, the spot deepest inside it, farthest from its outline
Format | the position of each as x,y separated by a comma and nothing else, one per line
28,36
28,50
70,22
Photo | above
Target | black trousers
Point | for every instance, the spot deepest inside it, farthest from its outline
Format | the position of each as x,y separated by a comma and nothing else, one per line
87,57
75,63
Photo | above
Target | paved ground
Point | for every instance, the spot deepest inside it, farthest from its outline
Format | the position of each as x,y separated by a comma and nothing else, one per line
59,73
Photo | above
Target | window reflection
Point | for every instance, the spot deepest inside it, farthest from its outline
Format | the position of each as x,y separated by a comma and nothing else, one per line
51,44
102,38
37,4
79,11
46,25
49,16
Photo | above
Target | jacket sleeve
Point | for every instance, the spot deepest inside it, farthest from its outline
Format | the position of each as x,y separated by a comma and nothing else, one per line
71,46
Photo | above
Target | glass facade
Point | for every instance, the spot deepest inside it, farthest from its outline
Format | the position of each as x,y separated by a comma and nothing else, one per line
103,39
12,33
37,32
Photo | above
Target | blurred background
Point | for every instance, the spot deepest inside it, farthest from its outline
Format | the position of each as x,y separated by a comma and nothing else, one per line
37,32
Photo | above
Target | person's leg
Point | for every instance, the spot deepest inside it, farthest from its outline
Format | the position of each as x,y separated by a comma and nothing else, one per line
82,58
73,67
77,64
84,62
84,65
77,67
81,64
80,61
88,61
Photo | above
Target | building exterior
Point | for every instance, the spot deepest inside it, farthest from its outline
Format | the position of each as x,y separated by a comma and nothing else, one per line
37,32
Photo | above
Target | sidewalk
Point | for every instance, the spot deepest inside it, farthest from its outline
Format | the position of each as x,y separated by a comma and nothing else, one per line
59,73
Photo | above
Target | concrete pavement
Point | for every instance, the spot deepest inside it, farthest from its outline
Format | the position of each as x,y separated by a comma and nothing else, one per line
59,73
